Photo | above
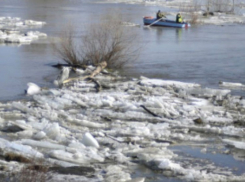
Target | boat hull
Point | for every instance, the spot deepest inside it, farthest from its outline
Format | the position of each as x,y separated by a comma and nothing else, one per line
164,23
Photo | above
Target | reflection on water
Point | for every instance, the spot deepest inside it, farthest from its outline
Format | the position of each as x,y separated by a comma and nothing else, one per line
160,31
178,34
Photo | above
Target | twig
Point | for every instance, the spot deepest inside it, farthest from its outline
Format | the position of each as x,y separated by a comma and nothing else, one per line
98,86
98,69
69,65
113,138
150,112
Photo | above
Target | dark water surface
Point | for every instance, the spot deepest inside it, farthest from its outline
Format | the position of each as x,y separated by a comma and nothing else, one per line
204,54
221,160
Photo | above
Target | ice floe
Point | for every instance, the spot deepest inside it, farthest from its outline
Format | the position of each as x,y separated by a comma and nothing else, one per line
32,88
237,144
89,140
132,122
158,82
64,74
14,30
238,86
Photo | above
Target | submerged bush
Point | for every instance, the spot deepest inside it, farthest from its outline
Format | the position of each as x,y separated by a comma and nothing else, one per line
107,40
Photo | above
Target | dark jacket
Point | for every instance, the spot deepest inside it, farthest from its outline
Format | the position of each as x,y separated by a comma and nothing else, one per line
178,18
160,15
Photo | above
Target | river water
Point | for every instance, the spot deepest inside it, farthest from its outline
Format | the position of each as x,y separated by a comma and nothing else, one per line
204,54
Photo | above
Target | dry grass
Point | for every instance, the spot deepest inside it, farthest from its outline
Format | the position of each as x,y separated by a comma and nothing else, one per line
194,18
16,157
191,10
32,171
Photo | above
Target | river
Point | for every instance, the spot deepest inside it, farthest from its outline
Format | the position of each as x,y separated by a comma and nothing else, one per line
204,54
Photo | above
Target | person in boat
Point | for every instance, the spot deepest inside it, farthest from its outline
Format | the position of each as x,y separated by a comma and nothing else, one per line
179,18
160,15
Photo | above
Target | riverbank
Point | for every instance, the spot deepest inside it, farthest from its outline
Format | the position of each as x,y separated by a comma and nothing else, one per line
128,124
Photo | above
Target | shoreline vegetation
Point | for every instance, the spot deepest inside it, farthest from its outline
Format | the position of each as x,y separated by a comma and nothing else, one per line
100,126
209,11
